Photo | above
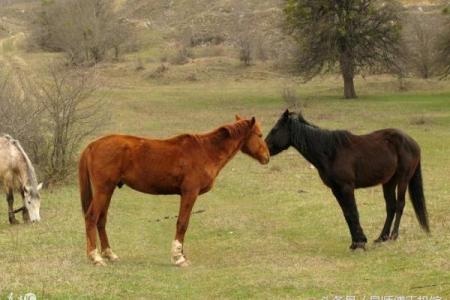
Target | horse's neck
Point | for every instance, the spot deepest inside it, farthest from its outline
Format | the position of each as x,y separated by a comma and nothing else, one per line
26,170
24,175
222,150
302,139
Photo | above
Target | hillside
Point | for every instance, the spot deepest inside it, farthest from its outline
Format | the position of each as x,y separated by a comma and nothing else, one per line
198,39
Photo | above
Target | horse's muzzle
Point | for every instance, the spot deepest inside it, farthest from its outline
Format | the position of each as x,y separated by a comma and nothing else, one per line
265,160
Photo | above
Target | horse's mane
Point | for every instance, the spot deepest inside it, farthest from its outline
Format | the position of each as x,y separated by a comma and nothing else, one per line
235,130
30,169
316,143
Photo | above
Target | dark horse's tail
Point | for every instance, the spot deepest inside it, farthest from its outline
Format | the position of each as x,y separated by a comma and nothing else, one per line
418,199
84,181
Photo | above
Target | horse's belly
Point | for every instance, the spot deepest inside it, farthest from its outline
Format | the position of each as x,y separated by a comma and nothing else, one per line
156,184
371,176
154,189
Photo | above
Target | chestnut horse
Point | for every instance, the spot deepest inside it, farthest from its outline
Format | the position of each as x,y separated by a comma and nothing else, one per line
186,165
346,161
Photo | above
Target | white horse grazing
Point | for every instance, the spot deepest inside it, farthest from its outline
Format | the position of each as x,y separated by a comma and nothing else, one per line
17,174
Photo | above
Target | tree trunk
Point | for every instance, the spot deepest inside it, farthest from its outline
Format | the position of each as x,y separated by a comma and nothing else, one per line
348,73
349,88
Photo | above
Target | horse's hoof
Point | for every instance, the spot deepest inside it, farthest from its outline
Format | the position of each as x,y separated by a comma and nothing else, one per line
96,259
381,239
358,245
184,264
180,261
110,255
13,221
114,258
99,263
393,236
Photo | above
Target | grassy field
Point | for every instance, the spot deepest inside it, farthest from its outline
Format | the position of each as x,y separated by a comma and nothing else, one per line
270,231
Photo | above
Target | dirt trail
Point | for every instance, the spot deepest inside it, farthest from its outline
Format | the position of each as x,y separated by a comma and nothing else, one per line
11,61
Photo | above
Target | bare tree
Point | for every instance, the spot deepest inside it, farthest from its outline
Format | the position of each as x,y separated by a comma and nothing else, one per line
20,113
243,33
72,114
420,38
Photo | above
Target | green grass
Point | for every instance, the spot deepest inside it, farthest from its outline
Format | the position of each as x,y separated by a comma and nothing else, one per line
268,232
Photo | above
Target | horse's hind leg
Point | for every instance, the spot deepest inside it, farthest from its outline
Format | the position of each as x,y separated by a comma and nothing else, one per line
389,197
11,215
401,191
101,227
91,219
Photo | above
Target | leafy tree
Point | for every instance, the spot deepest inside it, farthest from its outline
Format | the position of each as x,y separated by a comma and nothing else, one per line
353,34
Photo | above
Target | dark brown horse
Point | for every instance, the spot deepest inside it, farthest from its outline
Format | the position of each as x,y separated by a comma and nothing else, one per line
186,165
346,161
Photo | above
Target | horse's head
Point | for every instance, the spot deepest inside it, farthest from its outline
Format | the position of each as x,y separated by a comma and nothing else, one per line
254,145
279,138
33,201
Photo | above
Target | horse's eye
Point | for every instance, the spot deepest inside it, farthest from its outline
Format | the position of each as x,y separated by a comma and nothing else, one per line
260,135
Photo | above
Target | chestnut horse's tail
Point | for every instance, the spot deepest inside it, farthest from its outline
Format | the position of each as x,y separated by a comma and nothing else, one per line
84,181
418,199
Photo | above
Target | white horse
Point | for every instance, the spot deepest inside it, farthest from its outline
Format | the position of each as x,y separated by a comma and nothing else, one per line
17,174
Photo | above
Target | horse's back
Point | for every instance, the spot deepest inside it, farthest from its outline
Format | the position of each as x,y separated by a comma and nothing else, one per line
139,147
378,155
388,136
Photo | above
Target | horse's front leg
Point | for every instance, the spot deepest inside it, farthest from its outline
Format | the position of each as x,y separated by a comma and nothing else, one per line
346,198
186,204
11,214
25,214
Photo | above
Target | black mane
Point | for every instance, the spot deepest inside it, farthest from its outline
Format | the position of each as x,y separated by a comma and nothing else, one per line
315,144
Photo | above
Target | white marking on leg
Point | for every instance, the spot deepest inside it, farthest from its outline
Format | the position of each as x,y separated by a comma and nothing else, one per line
96,258
178,257
109,254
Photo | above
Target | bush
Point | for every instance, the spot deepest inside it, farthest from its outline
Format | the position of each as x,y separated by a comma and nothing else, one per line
182,56
21,115
71,114
85,30
159,71
51,117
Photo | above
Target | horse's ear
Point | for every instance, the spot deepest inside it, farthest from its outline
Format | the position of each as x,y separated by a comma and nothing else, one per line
238,117
301,118
252,122
286,114
39,187
26,189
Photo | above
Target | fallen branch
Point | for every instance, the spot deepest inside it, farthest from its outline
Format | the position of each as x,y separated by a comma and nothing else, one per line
174,217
